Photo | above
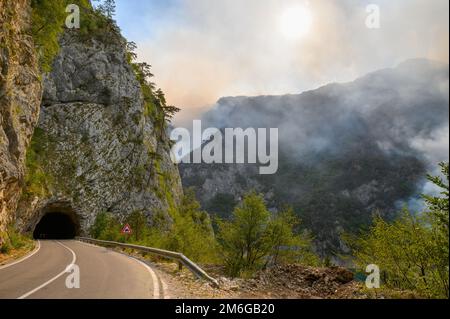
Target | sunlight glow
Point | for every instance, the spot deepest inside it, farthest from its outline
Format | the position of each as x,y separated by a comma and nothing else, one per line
296,22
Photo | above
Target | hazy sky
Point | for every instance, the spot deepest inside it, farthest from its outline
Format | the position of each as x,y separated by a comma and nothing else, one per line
202,50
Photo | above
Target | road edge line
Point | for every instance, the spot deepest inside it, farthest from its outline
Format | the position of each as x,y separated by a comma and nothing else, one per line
74,259
155,279
35,250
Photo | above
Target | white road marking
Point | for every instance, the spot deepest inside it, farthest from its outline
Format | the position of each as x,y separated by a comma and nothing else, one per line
165,289
156,290
35,250
156,294
74,259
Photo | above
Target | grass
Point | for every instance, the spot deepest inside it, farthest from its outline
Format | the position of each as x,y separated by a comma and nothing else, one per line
15,245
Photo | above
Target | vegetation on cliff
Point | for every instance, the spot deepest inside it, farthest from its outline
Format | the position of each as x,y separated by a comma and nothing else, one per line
47,24
190,231
37,180
48,18
156,106
14,244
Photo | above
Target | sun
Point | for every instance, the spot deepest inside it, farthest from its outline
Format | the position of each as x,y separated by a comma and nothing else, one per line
296,22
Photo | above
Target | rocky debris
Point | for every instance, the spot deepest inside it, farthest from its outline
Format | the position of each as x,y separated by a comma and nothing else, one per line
102,150
286,281
297,281
20,94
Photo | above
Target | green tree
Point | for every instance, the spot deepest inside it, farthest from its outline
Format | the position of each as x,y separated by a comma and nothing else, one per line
243,239
287,245
438,210
138,223
169,111
107,8
438,218
254,238
155,100
412,251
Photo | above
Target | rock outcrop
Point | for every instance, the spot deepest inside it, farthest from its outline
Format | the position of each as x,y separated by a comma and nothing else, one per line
97,148
20,95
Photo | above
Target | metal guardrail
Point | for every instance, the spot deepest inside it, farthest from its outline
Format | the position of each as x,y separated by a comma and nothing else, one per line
180,258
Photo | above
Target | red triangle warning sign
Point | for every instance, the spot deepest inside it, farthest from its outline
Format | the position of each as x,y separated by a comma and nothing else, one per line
126,229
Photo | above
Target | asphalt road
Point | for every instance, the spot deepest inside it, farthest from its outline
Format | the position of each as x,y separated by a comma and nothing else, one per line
103,274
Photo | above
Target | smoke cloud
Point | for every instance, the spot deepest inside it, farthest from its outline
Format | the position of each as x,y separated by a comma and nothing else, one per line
207,49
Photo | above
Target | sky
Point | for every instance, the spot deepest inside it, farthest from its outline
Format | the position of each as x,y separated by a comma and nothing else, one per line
202,50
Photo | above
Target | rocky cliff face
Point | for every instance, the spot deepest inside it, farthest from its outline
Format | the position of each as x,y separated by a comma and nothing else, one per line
20,95
96,147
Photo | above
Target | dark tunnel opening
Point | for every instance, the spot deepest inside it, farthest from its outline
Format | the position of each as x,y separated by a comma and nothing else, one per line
55,225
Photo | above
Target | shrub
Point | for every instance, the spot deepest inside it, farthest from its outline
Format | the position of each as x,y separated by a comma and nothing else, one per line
13,239
106,227
189,233
412,252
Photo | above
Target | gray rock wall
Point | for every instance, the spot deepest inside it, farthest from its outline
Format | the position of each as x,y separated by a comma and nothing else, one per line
96,147
20,94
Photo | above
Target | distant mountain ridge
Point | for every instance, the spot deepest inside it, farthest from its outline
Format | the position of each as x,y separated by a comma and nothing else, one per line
346,150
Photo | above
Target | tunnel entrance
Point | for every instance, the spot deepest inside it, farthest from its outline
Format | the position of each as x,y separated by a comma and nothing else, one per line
56,225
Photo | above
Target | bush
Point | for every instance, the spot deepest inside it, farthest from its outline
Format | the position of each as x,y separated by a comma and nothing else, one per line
13,239
5,248
189,233
37,179
106,227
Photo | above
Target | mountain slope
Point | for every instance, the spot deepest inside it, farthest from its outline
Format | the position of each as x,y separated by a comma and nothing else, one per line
347,150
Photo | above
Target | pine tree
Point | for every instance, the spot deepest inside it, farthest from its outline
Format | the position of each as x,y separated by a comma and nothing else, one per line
108,8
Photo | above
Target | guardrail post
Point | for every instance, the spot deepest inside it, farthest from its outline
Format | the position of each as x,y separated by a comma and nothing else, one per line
180,266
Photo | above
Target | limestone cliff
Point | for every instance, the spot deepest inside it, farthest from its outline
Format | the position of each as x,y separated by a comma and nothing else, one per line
97,146
20,95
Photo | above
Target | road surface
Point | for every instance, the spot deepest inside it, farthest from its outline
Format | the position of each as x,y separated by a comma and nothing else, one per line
104,274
